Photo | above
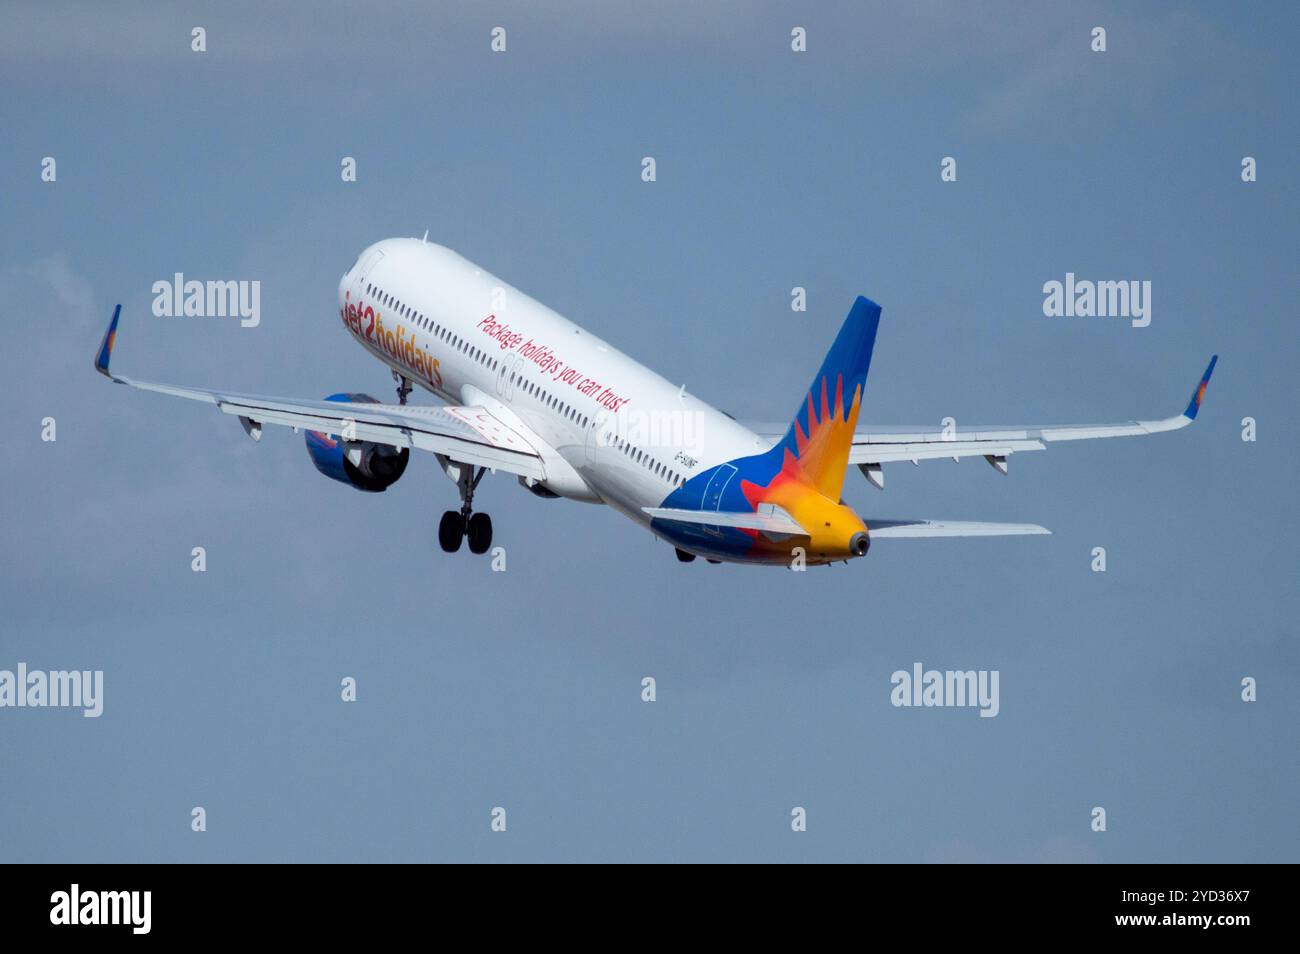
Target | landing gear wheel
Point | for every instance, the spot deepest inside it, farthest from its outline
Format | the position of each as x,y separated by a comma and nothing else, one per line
451,530
683,555
479,532
456,525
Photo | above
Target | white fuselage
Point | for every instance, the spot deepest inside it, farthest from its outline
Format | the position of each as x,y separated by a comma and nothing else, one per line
609,429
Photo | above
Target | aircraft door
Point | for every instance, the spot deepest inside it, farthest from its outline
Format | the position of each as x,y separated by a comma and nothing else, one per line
717,484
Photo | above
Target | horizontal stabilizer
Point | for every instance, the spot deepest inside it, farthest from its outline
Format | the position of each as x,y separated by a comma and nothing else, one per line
884,529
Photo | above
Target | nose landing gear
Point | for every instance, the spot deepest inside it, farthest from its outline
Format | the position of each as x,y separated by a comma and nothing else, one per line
464,523
403,387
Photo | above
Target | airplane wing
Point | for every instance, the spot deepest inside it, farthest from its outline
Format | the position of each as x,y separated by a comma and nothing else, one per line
874,446
469,435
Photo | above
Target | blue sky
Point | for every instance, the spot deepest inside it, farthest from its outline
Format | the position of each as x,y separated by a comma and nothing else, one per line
522,689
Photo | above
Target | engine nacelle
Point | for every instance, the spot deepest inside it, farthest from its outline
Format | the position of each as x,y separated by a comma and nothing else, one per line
364,465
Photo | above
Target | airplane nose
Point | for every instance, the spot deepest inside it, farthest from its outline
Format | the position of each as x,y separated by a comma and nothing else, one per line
860,543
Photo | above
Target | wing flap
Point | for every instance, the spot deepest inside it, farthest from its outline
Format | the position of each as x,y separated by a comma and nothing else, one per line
435,429
886,453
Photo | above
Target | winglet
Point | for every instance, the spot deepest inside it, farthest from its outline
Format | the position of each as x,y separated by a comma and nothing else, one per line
1198,395
106,346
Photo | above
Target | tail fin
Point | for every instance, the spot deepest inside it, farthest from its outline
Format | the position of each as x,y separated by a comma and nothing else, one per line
821,433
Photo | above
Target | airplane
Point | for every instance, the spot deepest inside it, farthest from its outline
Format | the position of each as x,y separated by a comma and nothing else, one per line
532,394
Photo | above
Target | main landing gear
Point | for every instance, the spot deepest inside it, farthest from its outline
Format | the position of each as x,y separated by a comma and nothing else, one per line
464,523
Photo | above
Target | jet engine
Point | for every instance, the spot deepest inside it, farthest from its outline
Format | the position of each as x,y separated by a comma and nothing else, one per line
364,465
